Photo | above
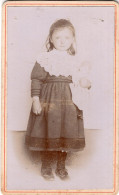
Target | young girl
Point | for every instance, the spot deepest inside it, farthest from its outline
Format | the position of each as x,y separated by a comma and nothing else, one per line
53,127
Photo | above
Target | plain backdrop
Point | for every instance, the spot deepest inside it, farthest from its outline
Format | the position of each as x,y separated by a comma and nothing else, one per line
28,29
26,35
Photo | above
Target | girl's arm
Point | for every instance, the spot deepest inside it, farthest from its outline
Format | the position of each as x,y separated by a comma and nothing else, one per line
37,76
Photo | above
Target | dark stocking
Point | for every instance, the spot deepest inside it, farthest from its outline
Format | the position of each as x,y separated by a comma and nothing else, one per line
46,170
61,170
61,158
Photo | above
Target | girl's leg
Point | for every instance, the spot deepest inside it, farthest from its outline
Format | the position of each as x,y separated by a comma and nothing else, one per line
46,159
61,170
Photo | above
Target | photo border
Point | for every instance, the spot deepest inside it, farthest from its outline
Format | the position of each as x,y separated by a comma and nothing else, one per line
116,94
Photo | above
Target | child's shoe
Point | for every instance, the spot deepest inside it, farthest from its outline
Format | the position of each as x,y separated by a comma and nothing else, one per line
46,172
61,171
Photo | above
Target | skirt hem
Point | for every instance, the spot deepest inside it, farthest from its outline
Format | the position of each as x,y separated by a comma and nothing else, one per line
56,144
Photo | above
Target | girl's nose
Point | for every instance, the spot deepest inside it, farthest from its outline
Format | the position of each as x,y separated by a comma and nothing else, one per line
62,41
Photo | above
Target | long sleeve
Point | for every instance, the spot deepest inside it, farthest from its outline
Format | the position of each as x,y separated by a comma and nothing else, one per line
38,75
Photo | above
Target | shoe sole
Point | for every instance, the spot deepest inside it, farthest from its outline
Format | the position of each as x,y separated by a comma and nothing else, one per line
47,177
61,177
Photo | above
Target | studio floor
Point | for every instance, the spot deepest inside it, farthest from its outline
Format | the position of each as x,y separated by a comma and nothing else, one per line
89,169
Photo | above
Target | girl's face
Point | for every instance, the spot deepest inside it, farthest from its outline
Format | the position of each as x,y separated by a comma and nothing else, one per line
62,39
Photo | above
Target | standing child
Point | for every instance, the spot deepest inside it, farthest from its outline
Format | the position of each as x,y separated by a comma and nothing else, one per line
53,125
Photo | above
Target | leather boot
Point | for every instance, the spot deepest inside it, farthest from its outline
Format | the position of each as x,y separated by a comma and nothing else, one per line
46,170
61,171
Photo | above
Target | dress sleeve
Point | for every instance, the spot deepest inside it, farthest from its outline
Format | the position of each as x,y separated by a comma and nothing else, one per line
38,75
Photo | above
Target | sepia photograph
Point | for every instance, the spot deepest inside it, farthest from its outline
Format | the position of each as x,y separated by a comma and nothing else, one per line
59,75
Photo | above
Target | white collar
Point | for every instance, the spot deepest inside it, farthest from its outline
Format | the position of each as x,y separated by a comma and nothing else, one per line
57,62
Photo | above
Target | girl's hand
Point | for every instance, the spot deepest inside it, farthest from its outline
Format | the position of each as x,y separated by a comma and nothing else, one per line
85,83
36,105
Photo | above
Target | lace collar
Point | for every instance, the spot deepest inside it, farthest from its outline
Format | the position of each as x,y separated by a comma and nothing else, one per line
57,62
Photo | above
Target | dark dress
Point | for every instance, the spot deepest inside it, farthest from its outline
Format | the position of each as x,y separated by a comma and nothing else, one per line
57,127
